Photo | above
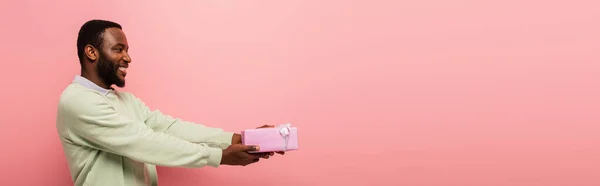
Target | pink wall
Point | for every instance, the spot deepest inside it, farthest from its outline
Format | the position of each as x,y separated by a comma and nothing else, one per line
419,93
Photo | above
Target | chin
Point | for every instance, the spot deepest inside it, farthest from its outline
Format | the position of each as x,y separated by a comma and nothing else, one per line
120,81
120,84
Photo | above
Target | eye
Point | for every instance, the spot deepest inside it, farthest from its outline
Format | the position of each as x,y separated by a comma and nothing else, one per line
119,49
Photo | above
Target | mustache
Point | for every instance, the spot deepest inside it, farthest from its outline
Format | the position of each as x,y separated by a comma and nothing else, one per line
122,65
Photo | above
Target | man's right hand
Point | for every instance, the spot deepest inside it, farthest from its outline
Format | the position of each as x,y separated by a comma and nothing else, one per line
237,154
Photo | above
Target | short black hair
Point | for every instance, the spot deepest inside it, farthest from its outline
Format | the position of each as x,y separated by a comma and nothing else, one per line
92,32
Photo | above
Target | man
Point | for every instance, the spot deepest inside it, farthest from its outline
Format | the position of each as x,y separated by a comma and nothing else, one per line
112,138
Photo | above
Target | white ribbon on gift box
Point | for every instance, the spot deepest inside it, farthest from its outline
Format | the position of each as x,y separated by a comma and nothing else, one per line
285,131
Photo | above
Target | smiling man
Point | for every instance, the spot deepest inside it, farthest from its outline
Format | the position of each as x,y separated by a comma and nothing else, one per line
112,138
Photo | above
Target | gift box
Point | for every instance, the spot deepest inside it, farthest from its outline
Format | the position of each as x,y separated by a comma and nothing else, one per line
280,138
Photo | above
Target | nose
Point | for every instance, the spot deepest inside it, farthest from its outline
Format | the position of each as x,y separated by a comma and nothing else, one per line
127,58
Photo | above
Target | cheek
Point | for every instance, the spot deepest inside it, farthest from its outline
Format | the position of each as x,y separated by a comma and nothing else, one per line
112,63
109,66
113,58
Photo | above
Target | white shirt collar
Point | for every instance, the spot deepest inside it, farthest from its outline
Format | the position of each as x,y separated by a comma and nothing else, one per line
91,85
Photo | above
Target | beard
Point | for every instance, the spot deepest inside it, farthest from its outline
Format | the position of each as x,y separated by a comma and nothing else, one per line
107,71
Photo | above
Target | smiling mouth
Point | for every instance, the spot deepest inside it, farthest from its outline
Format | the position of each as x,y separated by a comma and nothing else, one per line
123,69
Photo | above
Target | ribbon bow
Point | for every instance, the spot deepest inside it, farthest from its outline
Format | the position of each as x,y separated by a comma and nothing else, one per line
285,131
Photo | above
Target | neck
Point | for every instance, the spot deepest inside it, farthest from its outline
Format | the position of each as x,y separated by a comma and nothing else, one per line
94,78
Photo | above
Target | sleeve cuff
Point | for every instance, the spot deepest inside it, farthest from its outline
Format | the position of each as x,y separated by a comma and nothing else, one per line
214,159
224,138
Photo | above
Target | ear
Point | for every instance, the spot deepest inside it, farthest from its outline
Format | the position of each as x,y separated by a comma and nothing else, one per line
91,52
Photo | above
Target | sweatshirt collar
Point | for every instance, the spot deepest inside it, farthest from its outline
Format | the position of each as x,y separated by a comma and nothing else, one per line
91,85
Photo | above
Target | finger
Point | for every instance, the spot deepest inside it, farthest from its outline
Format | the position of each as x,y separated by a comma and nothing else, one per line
266,126
249,157
262,155
281,152
254,156
251,161
251,148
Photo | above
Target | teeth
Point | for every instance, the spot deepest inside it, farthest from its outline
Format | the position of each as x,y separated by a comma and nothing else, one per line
123,69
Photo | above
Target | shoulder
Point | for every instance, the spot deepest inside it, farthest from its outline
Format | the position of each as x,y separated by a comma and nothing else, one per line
75,97
127,96
75,92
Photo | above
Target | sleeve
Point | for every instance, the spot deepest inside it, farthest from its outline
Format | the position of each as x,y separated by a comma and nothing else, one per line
189,131
96,123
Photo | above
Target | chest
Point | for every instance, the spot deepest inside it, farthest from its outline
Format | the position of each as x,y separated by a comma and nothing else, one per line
126,108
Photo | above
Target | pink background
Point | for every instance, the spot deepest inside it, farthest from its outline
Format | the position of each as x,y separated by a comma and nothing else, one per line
419,93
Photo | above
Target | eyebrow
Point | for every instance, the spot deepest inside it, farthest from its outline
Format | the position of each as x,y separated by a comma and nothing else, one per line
121,45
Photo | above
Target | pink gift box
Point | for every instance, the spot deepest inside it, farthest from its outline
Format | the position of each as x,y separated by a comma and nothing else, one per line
280,138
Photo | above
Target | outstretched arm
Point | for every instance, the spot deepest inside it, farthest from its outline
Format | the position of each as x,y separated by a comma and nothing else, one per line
189,131
95,123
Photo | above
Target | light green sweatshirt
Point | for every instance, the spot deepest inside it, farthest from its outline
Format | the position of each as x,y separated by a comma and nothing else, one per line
113,138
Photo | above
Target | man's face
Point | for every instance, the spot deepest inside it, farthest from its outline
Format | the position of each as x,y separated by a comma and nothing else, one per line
113,58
